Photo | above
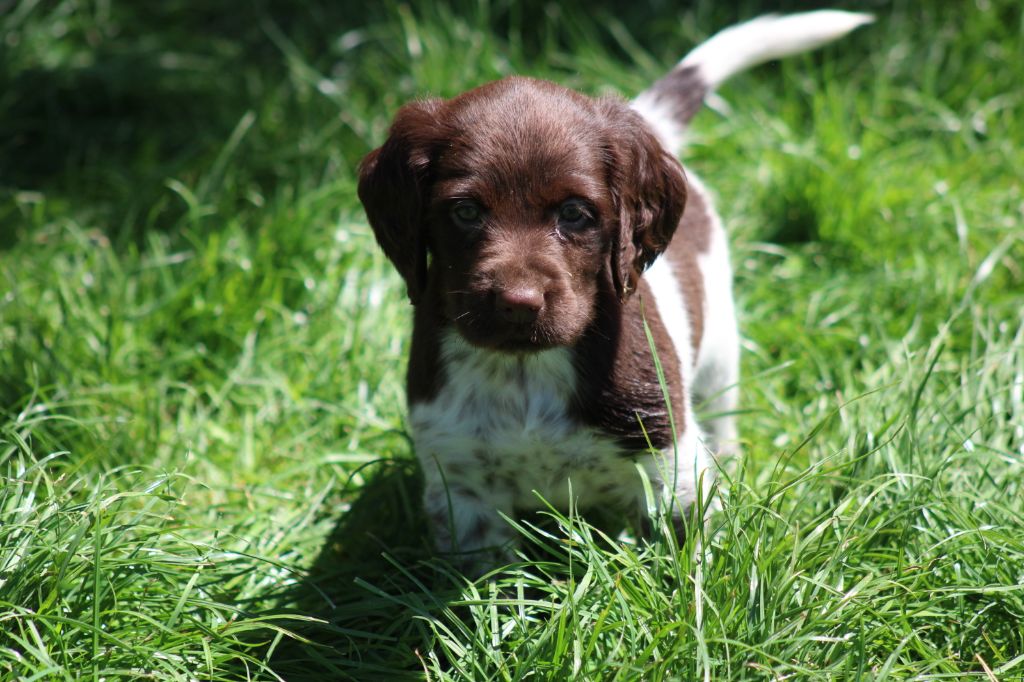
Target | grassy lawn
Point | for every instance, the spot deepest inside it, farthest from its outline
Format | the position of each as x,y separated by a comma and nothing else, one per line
205,469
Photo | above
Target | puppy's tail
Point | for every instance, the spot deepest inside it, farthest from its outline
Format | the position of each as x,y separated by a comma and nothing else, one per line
670,103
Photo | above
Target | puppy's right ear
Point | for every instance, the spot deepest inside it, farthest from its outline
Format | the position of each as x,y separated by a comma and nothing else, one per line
394,184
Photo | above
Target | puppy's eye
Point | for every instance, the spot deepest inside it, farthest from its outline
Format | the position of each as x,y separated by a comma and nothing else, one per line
466,213
573,214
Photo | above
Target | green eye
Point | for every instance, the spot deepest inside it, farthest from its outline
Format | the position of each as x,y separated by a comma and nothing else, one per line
573,214
466,212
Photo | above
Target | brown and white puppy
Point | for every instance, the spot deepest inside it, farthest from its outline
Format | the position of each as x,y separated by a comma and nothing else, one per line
537,230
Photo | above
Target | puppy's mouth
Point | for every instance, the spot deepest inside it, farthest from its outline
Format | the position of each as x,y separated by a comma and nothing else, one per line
503,336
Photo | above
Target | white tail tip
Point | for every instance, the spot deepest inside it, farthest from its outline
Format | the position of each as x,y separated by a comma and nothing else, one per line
743,46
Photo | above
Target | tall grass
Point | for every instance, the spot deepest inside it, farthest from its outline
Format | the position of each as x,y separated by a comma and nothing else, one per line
206,473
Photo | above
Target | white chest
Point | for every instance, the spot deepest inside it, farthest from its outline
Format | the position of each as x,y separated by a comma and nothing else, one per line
504,424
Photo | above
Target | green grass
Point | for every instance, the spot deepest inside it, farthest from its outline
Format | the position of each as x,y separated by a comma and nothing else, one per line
205,468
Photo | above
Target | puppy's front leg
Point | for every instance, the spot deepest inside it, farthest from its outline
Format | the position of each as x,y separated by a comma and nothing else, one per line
680,478
466,519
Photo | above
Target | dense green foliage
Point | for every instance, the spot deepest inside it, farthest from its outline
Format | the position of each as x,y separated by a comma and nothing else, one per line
205,470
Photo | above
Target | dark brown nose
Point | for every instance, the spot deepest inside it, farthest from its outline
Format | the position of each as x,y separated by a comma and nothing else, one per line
520,305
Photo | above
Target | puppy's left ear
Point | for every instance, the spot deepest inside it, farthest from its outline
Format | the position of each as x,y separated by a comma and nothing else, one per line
649,192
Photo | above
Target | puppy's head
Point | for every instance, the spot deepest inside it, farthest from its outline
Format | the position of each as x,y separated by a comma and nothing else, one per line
529,200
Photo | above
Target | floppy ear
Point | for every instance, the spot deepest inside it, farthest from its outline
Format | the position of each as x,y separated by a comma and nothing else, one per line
648,190
394,182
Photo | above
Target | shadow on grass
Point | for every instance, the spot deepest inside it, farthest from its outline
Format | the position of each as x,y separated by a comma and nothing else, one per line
377,593
372,586
99,119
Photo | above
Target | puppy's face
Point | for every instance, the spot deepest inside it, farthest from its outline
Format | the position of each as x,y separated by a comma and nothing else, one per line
520,220
529,199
